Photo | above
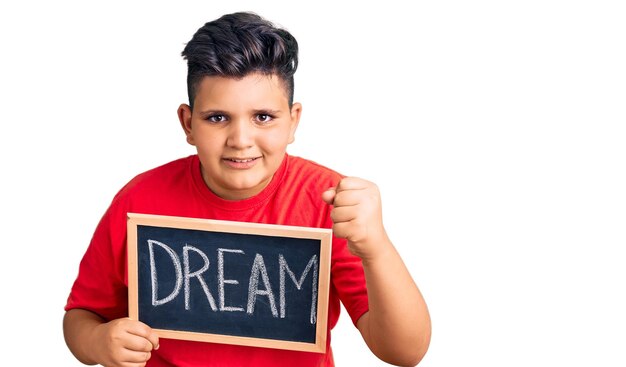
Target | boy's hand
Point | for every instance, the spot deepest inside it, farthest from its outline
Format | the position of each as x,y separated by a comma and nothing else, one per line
357,216
124,343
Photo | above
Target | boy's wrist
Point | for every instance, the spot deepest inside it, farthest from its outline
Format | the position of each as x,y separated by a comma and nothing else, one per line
375,251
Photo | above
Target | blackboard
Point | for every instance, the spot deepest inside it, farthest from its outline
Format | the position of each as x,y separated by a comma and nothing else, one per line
230,282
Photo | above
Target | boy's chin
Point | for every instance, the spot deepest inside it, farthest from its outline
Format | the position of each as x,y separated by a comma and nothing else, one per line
246,189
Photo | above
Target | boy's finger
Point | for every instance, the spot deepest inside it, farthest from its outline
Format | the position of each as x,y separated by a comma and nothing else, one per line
145,331
139,344
342,214
348,198
329,196
154,339
351,183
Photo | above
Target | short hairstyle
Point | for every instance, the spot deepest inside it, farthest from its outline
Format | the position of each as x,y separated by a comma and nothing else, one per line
238,44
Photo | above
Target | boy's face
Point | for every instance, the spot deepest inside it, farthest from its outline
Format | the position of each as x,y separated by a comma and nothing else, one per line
241,129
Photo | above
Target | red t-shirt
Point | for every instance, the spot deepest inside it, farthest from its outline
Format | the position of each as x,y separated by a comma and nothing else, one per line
293,197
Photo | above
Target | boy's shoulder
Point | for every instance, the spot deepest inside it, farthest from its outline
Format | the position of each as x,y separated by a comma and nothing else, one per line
301,163
161,176
305,171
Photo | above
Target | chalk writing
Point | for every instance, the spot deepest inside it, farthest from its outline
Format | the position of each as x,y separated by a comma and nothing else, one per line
222,281
259,282
285,267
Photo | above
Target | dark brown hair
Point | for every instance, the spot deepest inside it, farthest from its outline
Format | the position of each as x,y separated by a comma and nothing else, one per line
237,44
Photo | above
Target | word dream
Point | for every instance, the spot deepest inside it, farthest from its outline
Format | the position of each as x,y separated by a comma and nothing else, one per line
258,273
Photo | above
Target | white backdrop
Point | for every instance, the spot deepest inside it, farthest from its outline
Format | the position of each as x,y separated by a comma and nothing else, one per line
494,129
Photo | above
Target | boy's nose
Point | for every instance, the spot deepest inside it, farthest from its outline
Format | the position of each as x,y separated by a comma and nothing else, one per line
240,135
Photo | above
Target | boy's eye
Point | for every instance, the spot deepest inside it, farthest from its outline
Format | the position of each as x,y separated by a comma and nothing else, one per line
263,118
216,118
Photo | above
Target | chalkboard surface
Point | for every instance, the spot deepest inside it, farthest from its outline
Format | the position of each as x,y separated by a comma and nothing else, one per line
230,282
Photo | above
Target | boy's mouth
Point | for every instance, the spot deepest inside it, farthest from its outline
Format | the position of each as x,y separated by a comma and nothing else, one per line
240,163
240,160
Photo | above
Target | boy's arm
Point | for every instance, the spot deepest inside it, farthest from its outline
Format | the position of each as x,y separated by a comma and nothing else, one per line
122,342
397,326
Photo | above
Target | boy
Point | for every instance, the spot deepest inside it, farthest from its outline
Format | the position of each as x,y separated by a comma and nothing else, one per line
241,117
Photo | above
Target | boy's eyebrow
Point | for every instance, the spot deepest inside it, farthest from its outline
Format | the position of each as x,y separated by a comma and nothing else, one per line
212,112
266,111
257,111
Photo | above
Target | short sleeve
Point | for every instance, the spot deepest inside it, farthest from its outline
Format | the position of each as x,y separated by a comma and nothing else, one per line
101,284
348,278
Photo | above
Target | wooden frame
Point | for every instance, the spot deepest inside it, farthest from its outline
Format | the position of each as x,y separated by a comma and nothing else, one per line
323,235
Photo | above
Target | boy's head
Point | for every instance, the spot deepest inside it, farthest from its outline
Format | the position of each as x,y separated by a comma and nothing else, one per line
241,116
239,44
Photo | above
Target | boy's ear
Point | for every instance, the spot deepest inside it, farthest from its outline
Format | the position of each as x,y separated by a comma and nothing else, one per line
296,111
184,116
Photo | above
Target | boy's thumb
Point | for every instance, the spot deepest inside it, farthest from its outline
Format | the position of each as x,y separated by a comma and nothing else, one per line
329,196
